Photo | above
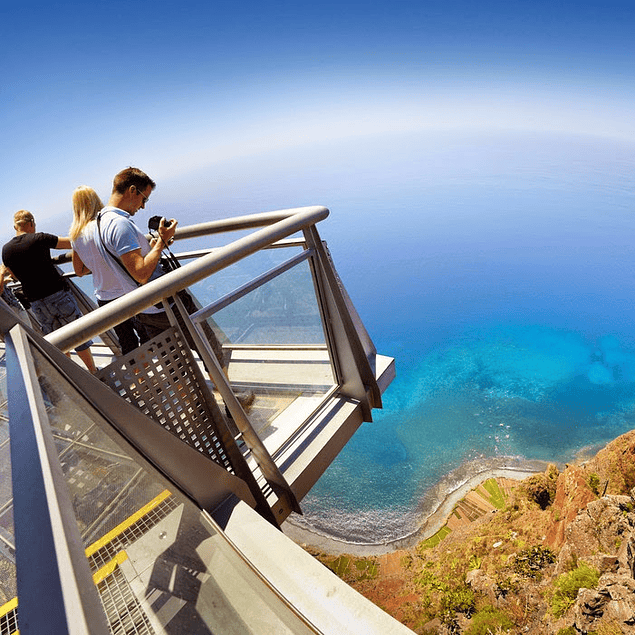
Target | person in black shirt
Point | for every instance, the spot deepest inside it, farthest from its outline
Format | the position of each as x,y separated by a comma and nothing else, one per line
28,257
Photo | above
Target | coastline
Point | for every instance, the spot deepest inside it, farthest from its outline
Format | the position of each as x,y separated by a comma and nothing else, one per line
433,520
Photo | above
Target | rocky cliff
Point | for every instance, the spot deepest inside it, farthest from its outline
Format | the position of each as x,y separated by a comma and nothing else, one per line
556,556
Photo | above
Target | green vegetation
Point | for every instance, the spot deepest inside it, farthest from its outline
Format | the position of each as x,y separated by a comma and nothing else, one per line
367,569
433,541
607,628
496,495
428,580
474,562
529,562
352,569
489,620
567,585
627,508
505,586
458,600
594,483
443,590
340,566
407,561
604,628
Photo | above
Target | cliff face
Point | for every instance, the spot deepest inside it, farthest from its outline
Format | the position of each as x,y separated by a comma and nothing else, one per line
603,535
558,557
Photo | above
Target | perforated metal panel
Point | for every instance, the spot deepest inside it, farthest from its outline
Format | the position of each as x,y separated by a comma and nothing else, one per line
163,380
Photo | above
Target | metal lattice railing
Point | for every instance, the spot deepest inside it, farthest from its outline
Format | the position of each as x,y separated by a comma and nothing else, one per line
162,379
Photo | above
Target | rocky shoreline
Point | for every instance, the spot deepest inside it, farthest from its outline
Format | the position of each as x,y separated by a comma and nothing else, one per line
432,521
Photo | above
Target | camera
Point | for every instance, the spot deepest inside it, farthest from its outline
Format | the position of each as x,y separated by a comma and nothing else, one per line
155,221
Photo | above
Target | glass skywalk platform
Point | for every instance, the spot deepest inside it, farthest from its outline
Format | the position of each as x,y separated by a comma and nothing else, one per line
148,499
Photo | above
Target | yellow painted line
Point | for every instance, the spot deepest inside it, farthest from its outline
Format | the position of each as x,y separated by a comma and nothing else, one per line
131,520
107,569
9,606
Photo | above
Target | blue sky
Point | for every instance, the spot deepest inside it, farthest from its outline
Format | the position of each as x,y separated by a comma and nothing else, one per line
179,88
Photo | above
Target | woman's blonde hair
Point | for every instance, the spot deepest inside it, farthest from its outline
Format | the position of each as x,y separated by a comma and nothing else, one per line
86,206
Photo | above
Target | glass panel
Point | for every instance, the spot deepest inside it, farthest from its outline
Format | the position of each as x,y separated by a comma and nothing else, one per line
8,584
275,342
221,283
233,277
159,564
106,486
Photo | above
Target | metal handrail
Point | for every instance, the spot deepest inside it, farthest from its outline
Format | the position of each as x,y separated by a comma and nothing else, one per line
278,225
237,223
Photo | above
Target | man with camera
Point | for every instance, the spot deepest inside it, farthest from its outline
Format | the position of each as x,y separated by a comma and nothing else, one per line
129,259
120,256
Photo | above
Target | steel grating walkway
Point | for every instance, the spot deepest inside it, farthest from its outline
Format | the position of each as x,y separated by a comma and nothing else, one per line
124,612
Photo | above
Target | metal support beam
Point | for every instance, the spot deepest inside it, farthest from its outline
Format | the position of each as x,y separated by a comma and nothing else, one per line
264,460
351,354
49,550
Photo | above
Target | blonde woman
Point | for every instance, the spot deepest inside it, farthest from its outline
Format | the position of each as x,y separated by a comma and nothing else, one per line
86,206
89,256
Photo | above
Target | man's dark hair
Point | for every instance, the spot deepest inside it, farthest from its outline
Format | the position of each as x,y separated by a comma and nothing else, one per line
131,176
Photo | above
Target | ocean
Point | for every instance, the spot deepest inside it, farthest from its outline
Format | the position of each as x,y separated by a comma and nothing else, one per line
497,268
499,271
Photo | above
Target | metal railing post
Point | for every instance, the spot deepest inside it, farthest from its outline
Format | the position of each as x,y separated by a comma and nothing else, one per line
349,339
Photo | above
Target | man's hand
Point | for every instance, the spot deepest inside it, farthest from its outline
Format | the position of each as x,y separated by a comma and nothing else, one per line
142,267
166,230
